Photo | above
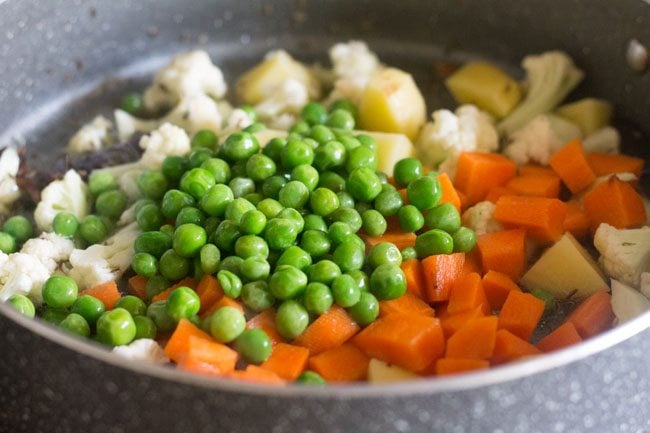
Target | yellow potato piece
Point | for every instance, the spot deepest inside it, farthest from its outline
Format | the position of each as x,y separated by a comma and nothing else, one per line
392,102
380,372
486,86
590,114
279,66
390,149
565,268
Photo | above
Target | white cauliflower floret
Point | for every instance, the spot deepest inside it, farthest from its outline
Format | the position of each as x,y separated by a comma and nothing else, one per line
480,218
540,138
645,284
104,262
187,75
606,140
9,190
69,194
143,349
352,64
468,130
22,274
624,253
92,136
627,303
549,77
286,99
50,249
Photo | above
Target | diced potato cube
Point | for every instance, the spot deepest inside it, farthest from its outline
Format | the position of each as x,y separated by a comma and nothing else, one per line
565,268
381,372
590,114
392,102
390,149
627,302
485,86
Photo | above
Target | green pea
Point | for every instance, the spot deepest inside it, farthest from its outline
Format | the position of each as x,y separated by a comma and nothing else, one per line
197,182
361,157
232,264
144,328
345,291
388,202
219,169
101,181
144,264
250,112
315,242
314,113
329,155
349,216
311,378
464,240
190,215
111,204
306,174
384,252
344,104
60,291
149,217
173,201
409,253
280,233
156,285
254,345
172,266
323,201
210,224
332,181
65,224
291,319
237,208
173,167
226,324
209,257
240,146
134,305
226,235
273,148
349,256
116,327
434,242
157,311
76,325
324,271
294,216
410,218
240,186
424,193
318,298
256,296
341,119
255,268
444,217
253,222
260,167
361,279
366,310
153,242
216,200
407,170
349,143
315,222
322,134
204,138
198,156
88,307
251,246
294,256
19,227
339,232
295,153
183,302
269,207
299,128
364,184
254,198
22,304
361,207
387,281
152,184
54,315
374,223
188,239
367,140
7,243
287,282
230,283
132,103
294,194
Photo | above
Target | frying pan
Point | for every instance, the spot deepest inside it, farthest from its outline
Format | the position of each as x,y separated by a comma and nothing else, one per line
62,61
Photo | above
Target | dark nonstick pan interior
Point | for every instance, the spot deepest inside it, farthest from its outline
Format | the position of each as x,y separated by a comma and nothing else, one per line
60,63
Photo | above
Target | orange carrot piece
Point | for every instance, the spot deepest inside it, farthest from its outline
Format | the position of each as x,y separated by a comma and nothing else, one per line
535,186
345,363
521,313
209,291
576,221
196,366
503,251
225,301
536,170
399,238
509,347
449,193
266,322
605,163
563,336
497,192
202,351
472,263
497,286
459,365
570,163
594,315
330,330
440,271
106,292
178,344
477,173
287,361
475,340
467,293
542,218
406,304
412,269
616,203
410,342
451,323
256,374
138,286
402,192
162,295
